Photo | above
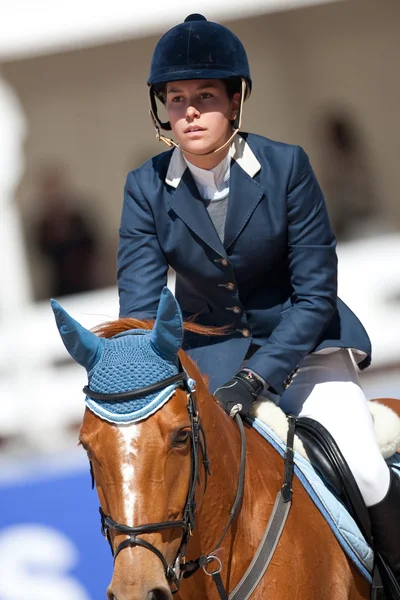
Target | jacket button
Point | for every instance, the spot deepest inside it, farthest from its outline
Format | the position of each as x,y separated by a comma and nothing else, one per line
236,309
246,333
229,286
224,262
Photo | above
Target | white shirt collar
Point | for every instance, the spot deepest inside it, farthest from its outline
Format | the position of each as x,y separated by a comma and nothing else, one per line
211,177
240,151
213,184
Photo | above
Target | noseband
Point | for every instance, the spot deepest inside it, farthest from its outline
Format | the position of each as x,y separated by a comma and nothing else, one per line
187,523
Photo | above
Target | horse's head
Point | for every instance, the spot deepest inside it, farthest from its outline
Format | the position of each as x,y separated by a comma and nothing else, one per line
145,469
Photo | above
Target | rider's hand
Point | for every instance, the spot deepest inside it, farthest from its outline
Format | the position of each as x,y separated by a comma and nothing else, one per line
238,394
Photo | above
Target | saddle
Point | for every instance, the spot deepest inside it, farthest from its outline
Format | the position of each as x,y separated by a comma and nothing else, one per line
325,456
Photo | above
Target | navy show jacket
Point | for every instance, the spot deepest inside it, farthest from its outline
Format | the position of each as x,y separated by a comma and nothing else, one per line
273,279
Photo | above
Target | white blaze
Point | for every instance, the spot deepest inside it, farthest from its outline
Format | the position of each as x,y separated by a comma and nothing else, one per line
128,434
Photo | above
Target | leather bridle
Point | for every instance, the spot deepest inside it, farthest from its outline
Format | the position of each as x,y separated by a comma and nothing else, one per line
180,568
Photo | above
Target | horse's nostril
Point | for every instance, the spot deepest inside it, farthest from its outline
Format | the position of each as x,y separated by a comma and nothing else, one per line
159,594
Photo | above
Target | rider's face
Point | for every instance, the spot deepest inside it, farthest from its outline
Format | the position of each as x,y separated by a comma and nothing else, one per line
200,113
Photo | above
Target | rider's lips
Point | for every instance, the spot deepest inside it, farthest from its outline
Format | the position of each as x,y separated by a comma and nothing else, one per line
194,130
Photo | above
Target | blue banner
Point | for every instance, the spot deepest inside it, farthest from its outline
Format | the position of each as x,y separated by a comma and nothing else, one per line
51,547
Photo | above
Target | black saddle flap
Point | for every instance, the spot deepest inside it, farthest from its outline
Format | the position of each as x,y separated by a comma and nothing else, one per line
324,455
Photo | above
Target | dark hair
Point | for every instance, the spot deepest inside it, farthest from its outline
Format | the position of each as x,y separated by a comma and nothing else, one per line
233,85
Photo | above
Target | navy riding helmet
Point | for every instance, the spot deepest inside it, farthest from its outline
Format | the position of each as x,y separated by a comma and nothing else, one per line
197,49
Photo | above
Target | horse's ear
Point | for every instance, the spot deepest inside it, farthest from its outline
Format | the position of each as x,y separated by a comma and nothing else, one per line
83,345
167,334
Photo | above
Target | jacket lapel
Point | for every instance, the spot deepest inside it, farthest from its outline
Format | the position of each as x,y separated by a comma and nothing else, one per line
186,202
244,195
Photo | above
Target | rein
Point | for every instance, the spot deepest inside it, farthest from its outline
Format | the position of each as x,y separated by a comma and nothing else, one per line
181,568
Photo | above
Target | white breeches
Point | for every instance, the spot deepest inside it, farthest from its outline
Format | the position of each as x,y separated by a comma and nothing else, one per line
326,388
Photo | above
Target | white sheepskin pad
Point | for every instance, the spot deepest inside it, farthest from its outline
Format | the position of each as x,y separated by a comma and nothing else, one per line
387,425
387,428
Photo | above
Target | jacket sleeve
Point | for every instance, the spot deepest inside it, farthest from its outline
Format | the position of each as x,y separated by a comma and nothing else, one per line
142,266
313,273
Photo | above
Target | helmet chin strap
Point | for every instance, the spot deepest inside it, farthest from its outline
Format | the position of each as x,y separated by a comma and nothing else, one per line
170,142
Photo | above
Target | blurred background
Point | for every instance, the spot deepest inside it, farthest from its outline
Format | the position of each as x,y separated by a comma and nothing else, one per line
73,121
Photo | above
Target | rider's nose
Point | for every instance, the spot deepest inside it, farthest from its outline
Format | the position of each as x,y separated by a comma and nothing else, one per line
192,112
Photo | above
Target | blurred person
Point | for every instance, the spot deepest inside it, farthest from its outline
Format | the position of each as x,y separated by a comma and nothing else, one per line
64,235
242,221
347,179
16,290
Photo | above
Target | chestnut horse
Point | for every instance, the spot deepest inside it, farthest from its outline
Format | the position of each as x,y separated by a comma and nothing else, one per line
142,471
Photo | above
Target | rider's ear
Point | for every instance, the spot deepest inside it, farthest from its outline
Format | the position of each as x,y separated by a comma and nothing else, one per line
167,335
83,345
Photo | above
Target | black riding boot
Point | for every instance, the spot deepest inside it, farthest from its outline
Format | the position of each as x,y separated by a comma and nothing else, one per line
385,523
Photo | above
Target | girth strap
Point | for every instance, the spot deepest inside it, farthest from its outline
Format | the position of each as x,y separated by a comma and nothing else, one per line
273,531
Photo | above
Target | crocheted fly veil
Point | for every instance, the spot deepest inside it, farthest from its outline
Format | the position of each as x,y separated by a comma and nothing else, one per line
128,361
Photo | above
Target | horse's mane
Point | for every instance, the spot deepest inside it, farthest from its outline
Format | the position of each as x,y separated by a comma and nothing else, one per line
111,328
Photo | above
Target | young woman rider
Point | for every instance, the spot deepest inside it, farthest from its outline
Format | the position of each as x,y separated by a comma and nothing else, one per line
242,221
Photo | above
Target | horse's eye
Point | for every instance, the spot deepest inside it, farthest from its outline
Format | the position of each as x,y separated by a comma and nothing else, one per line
182,437
87,450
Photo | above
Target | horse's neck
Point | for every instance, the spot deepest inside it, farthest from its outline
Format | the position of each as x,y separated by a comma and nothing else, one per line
224,443
214,506
262,481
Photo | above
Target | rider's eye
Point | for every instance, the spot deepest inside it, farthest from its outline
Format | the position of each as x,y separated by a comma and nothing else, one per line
182,437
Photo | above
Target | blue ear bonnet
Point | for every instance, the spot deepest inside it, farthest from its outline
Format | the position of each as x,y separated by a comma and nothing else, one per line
130,362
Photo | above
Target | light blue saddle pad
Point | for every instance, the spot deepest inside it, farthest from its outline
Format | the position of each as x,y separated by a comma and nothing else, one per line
342,524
